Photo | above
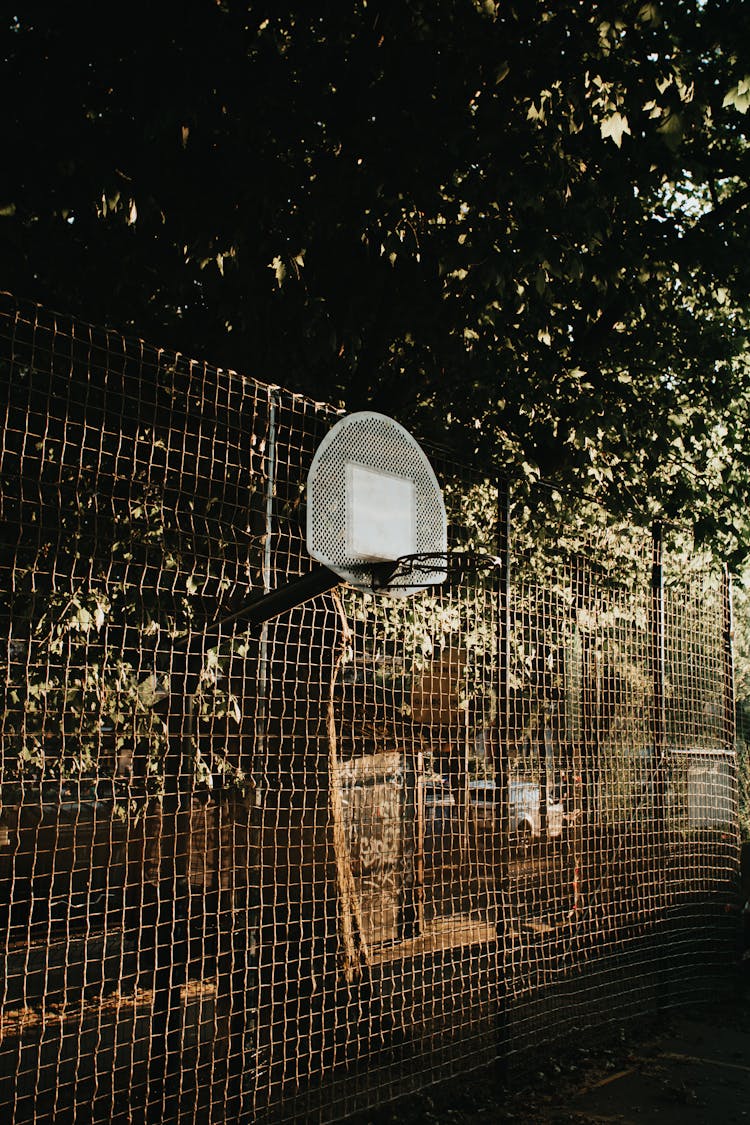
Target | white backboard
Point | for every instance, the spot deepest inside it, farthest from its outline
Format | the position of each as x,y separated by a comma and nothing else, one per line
373,499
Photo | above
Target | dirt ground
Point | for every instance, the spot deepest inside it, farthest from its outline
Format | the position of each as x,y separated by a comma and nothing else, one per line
687,1068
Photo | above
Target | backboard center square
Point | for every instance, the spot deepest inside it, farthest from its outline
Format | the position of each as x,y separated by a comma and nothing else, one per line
380,514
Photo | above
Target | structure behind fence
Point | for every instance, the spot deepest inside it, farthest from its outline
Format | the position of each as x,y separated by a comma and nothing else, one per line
290,872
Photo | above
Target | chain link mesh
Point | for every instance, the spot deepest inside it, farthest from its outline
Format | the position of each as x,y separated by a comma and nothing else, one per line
291,872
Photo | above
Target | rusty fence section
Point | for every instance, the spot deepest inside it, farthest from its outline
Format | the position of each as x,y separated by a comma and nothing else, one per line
287,873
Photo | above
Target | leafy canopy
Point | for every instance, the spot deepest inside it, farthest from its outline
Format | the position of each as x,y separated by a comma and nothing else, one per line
520,226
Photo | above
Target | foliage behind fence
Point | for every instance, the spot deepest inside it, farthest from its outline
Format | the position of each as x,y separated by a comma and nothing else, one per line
295,870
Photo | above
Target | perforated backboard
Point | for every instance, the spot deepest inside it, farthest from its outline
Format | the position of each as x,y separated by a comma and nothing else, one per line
372,499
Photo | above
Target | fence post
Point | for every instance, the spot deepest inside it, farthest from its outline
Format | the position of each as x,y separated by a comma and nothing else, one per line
657,868
267,576
505,726
580,731
504,717
658,677
730,715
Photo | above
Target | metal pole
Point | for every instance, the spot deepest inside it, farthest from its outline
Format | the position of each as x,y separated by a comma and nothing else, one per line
657,869
730,714
292,594
502,766
264,893
578,733
504,714
658,678
730,711
257,611
262,710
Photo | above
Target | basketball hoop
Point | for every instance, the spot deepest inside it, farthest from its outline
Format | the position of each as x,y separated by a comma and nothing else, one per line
417,571
375,520
373,503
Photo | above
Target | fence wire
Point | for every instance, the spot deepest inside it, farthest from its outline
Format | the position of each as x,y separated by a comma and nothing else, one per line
291,871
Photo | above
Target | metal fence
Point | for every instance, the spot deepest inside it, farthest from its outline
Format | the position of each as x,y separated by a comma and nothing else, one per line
293,871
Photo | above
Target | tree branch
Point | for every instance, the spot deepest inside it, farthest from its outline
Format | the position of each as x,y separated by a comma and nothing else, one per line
732,205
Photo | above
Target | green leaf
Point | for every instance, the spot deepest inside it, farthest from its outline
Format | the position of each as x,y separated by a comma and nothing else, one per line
739,96
614,127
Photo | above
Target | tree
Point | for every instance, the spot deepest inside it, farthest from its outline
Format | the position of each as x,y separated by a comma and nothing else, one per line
523,226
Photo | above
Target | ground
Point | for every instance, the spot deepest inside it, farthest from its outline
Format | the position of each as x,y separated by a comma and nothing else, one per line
687,1068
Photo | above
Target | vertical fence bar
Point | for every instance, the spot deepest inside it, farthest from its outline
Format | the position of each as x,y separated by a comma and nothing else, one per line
273,405
502,766
579,735
504,701
259,765
730,715
741,859
658,677
656,867
730,711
